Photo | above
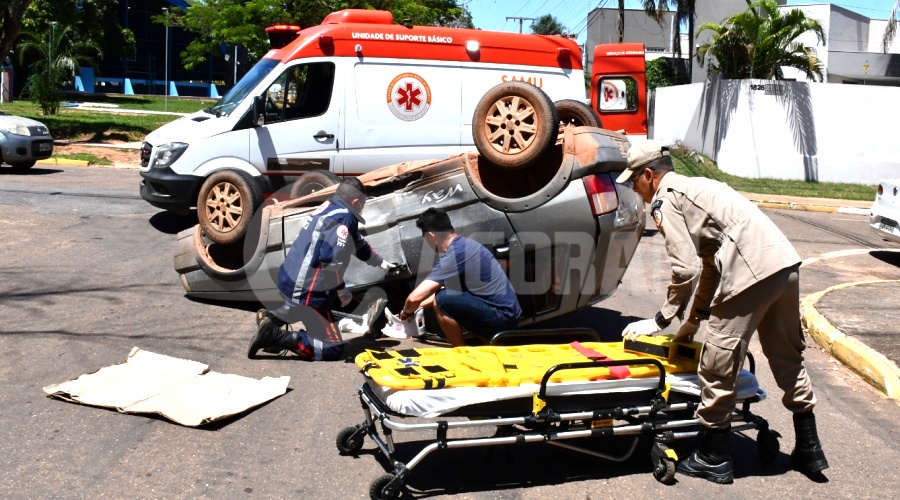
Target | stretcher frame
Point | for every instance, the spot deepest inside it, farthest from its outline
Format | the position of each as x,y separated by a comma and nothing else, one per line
655,418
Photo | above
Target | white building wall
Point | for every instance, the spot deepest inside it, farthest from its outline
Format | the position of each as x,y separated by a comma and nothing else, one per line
876,33
817,131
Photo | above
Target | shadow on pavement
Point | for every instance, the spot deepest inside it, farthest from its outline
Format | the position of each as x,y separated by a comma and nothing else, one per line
892,258
607,323
171,223
31,171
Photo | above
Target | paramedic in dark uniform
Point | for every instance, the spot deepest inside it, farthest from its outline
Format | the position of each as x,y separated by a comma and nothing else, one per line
312,278
467,287
748,281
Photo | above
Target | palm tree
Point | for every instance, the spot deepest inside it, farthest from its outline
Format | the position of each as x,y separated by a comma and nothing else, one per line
685,11
891,29
548,25
757,43
55,59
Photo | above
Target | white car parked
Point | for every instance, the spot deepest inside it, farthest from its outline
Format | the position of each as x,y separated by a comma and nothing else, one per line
884,218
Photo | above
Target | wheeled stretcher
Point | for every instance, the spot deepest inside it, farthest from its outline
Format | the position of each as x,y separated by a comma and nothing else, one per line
540,393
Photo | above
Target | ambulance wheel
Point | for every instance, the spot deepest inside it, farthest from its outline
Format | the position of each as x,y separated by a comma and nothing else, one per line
226,204
385,487
514,124
576,113
311,182
767,445
350,440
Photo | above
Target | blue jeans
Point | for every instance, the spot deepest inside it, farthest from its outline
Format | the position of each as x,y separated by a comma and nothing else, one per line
474,314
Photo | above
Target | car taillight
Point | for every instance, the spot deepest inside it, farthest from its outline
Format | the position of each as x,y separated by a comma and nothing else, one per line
601,192
880,190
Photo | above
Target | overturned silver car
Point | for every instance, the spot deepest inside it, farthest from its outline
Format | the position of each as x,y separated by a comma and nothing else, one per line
561,227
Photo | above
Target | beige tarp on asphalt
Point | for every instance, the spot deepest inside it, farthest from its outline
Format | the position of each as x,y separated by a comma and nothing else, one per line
180,390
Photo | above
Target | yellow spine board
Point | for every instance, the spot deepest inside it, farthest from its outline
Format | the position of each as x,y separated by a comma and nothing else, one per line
496,366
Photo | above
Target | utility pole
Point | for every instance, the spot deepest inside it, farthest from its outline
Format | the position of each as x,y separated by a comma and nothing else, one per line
521,20
166,10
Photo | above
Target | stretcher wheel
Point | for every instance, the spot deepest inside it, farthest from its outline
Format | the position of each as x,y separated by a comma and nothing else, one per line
767,445
663,463
385,487
665,472
350,440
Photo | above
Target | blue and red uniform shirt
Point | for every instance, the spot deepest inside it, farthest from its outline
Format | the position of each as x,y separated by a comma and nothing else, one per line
318,259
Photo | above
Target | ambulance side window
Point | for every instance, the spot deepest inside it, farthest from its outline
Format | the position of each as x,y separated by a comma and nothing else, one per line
617,95
302,91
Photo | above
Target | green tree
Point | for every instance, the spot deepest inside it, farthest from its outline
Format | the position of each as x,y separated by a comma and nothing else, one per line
55,57
95,22
757,43
243,22
891,29
12,12
660,74
685,11
548,25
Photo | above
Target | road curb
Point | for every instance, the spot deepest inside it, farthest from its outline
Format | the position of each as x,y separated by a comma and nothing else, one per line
810,208
870,364
55,161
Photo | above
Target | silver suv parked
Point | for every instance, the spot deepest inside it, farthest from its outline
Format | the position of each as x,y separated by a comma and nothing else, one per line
23,141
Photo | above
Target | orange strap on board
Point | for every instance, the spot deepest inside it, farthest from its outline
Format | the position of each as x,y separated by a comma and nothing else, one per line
617,372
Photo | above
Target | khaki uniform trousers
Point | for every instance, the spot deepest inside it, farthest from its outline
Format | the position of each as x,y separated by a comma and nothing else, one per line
770,307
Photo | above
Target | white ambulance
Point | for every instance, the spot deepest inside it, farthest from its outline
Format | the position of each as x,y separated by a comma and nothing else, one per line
350,95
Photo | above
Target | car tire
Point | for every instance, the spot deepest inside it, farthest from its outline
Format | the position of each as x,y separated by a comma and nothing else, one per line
514,138
311,182
22,166
225,205
576,113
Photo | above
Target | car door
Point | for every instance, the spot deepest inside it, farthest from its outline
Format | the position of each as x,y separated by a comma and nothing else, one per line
302,116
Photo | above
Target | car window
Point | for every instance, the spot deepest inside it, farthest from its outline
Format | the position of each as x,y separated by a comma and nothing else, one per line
302,91
617,95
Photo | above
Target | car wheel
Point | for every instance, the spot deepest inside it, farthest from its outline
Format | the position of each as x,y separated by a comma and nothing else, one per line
311,182
576,113
514,124
22,166
226,204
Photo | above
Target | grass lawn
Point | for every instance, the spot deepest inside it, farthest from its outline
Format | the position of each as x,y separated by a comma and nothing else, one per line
692,164
97,126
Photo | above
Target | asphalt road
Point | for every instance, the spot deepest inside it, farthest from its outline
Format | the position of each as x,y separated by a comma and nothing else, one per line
86,274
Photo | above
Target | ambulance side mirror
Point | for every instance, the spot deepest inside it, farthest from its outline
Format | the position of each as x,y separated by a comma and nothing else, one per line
259,111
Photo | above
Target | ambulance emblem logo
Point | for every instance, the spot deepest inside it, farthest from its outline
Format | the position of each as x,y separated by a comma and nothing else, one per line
409,97
342,232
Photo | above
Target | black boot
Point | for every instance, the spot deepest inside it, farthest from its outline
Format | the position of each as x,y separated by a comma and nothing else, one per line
712,461
265,313
269,335
807,456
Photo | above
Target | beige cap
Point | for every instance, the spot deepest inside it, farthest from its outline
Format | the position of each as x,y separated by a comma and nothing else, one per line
640,155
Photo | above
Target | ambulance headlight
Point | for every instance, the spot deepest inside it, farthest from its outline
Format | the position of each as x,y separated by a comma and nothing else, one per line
166,154
472,46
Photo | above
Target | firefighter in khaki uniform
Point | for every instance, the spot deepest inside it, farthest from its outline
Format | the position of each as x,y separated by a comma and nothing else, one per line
748,281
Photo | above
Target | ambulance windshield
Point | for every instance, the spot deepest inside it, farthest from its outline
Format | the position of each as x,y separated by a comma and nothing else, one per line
237,94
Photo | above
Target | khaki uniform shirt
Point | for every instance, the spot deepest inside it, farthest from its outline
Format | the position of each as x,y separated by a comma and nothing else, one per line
736,243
